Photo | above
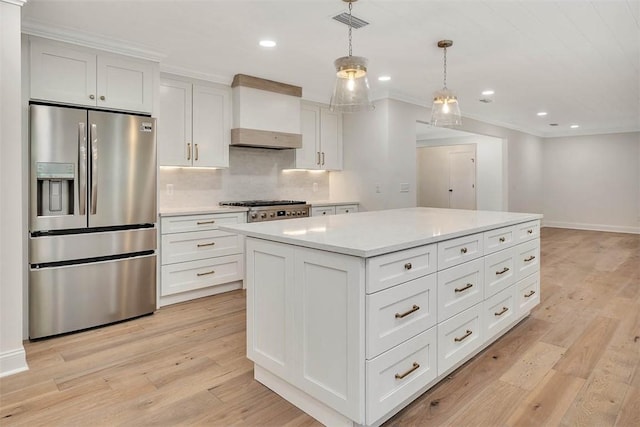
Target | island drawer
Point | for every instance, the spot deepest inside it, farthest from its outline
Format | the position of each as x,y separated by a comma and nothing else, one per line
458,337
399,313
191,246
345,209
500,311
527,231
456,251
499,239
186,276
392,269
183,223
499,271
396,375
528,293
459,288
527,258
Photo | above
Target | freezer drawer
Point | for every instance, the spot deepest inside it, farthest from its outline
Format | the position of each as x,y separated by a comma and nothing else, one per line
74,297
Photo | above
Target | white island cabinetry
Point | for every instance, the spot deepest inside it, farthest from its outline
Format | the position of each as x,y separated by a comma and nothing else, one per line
351,317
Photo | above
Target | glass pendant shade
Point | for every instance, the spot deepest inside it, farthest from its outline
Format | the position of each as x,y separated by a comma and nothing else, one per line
445,110
351,90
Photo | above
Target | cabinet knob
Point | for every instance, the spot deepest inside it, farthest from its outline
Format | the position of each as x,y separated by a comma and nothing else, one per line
408,266
92,97
502,239
102,98
463,250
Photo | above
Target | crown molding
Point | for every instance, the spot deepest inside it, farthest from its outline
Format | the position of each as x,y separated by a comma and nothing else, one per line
194,74
73,36
14,2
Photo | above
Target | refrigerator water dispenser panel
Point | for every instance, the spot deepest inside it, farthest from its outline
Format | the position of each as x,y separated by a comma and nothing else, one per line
55,183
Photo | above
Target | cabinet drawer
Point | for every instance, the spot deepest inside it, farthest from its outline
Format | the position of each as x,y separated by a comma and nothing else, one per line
186,276
527,258
459,288
456,251
346,209
392,269
527,231
499,239
191,246
500,311
323,210
528,293
178,224
399,313
397,374
499,271
458,337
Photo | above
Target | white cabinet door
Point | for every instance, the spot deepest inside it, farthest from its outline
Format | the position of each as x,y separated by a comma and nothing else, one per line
62,74
124,83
211,126
323,210
330,139
174,123
308,157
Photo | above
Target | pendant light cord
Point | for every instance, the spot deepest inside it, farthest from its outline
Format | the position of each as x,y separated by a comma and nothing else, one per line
445,67
350,6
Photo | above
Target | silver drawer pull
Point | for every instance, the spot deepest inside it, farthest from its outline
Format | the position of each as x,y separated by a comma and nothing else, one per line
530,231
502,239
531,258
406,313
501,312
201,245
205,273
464,337
469,285
413,368
504,270
408,266
463,250
206,222
530,294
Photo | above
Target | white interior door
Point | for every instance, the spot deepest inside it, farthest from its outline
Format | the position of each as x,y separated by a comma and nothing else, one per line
462,180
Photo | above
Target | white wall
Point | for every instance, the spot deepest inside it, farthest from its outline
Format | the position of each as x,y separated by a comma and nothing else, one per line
380,148
593,182
12,355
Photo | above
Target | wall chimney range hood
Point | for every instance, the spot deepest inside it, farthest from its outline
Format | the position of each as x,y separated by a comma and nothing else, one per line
266,114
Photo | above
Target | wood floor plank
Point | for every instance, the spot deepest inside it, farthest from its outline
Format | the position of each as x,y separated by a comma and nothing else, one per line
548,402
186,364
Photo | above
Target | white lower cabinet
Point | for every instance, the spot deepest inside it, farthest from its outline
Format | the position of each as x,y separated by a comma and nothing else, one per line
333,209
197,258
352,340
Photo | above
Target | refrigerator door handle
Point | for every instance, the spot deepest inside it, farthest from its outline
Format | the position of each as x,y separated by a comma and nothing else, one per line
82,166
94,168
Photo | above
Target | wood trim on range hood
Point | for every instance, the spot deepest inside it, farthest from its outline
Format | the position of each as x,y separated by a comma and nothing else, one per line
266,114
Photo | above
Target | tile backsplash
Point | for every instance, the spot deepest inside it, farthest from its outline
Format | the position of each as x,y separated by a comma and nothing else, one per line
253,173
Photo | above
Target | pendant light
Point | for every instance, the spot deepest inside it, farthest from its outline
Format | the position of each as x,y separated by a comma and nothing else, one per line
445,110
351,91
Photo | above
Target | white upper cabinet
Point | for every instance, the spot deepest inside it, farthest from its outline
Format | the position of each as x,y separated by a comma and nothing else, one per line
194,124
321,138
75,75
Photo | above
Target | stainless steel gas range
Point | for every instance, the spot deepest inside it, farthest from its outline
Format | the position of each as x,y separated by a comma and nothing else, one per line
272,210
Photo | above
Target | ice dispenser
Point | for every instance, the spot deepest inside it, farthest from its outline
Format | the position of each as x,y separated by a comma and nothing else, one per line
55,188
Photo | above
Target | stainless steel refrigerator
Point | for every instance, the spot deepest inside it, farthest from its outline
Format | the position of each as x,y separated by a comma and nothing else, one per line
92,227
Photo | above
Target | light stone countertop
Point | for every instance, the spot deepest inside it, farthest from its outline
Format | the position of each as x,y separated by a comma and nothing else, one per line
367,234
199,210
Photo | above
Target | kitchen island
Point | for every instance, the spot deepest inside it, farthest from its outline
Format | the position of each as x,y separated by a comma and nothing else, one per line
351,317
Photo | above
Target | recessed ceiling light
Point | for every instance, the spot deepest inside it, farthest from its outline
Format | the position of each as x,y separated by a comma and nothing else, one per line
267,43
542,113
574,126
488,92
384,78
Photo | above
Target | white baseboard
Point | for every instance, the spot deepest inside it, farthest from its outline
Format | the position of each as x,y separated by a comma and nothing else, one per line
12,362
591,227
200,293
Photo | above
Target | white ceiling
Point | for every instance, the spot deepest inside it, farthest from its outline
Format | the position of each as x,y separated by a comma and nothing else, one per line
577,60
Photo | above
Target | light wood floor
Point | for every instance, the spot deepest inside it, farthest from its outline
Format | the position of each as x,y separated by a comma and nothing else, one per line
574,361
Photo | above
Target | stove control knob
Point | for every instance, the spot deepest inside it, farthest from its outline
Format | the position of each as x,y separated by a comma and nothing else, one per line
254,215
263,215
272,215
288,213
